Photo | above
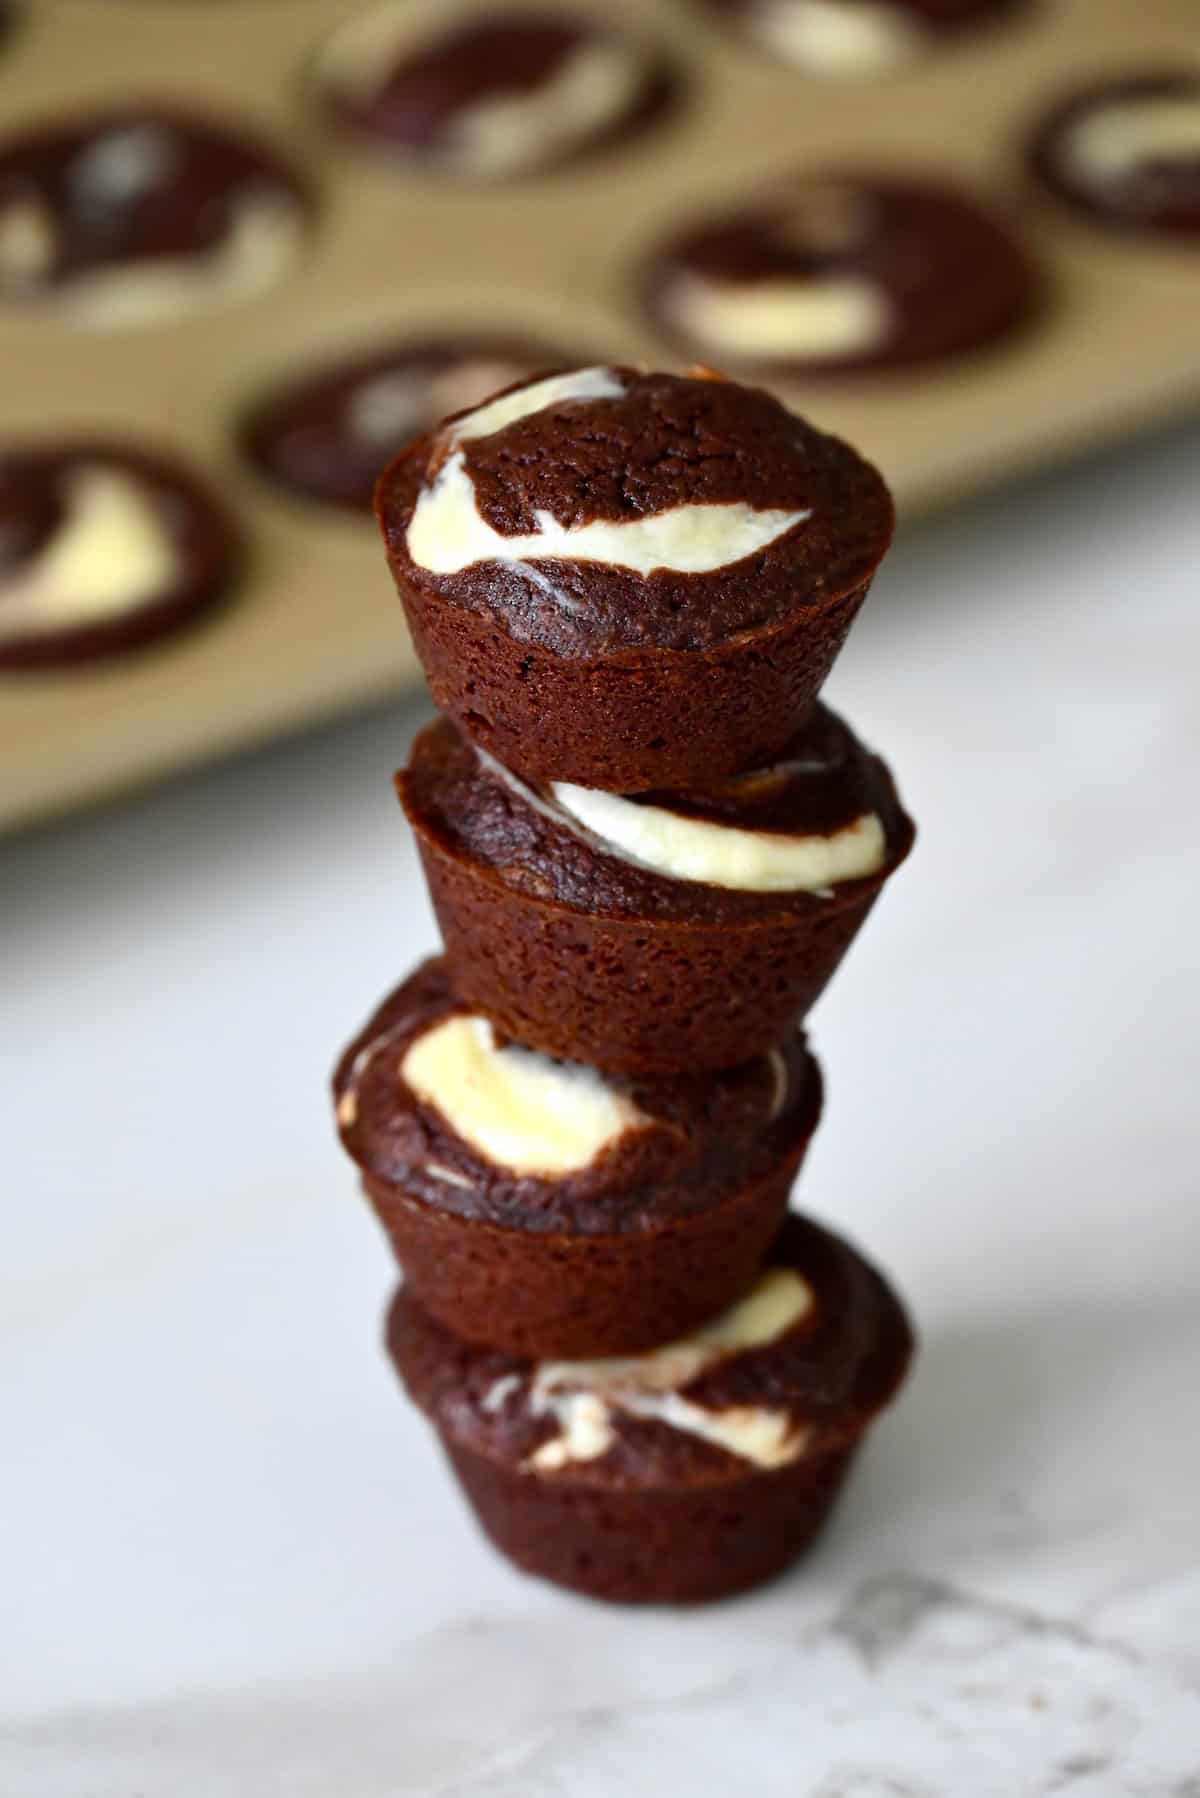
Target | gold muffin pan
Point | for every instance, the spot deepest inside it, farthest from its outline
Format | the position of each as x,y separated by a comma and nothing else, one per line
314,628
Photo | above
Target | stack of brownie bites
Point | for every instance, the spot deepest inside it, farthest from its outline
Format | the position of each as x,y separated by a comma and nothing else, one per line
648,846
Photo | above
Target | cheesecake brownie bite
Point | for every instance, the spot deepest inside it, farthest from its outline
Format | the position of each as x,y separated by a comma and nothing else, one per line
494,94
543,1208
687,1473
103,548
851,38
630,580
841,270
1126,153
140,214
328,435
671,929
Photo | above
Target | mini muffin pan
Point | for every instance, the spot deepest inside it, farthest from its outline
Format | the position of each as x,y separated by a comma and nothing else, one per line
396,252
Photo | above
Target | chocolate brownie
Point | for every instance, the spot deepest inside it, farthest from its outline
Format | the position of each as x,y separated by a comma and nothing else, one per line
140,213
859,37
672,929
631,580
537,1205
1126,152
328,435
841,270
103,547
690,1472
494,94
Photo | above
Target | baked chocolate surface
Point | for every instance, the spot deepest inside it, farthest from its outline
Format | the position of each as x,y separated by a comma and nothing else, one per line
882,272
129,188
711,1134
44,494
822,781
1146,177
829,1374
662,443
427,99
327,436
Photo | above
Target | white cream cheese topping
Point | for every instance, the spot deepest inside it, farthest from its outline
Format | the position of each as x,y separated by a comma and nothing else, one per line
113,553
517,1109
780,1083
447,533
448,1176
265,232
398,403
389,406
838,37
754,861
358,57
1115,139
122,164
817,317
582,1396
593,87
538,396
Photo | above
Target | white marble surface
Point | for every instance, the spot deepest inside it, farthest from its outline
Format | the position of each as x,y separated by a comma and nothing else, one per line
233,1563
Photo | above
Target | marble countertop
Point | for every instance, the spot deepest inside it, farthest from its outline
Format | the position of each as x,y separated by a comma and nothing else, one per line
233,1563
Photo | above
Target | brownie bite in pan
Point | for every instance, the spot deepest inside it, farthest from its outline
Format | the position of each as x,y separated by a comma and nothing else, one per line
494,94
1125,153
685,929
629,580
540,1207
841,270
140,215
103,547
852,38
691,1472
327,435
